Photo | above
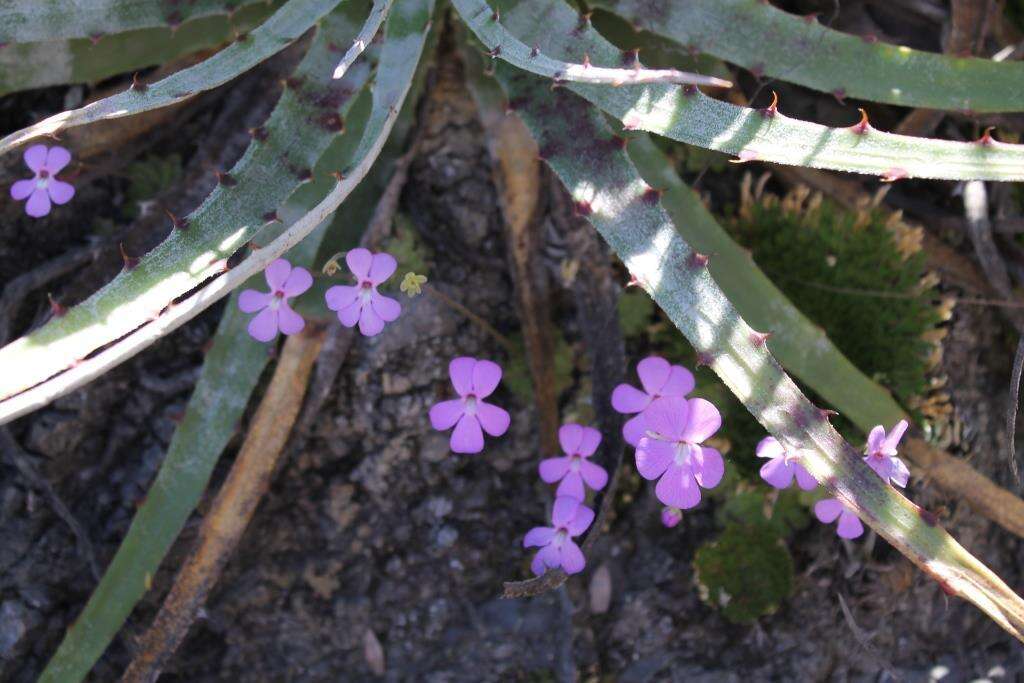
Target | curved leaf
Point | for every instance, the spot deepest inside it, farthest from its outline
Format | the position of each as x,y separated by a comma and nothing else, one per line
687,115
608,190
28,21
276,33
279,160
81,60
780,45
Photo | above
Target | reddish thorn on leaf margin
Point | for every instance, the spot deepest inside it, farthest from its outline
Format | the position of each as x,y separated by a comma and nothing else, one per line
705,359
55,308
225,179
496,15
745,156
773,108
759,338
840,95
534,51
633,281
271,217
986,139
137,84
698,260
894,174
863,126
582,207
129,261
651,196
929,518
179,223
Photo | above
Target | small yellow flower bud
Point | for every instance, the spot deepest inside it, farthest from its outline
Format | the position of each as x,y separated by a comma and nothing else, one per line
412,284
332,266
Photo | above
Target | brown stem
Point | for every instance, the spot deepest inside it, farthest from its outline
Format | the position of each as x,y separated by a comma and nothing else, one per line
233,507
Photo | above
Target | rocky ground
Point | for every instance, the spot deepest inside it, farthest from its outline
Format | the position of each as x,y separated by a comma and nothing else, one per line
374,534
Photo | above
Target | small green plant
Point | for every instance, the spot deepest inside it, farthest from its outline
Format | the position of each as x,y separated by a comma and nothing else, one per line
745,573
860,275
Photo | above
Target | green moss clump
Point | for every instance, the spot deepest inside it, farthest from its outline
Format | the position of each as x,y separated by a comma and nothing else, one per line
857,274
745,573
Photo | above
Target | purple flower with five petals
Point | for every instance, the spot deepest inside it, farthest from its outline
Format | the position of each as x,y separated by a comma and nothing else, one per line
672,453
658,379
44,188
363,304
569,518
881,454
830,509
574,468
474,380
783,466
274,312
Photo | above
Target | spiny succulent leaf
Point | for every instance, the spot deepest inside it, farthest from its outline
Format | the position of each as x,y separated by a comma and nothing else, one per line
800,345
407,29
800,50
378,13
230,373
751,135
609,192
229,376
305,120
81,60
28,21
280,30
487,25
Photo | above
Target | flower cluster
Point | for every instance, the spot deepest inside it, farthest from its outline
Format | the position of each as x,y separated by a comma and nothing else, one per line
784,465
668,431
360,305
574,473
43,189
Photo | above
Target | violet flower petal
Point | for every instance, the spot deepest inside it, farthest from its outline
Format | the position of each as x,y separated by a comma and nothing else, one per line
654,373
486,376
38,204
23,188
493,419
382,266
359,262
467,437
653,457
341,296
60,192
628,399
263,326
461,372
445,414
704,420
250,301
35,157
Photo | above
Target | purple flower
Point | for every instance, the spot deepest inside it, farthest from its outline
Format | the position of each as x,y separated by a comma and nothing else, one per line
671,516
783,466
363,304
44,187
569,518
274,312
658,379
881,454
474,380
579,443
829,509
672,452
